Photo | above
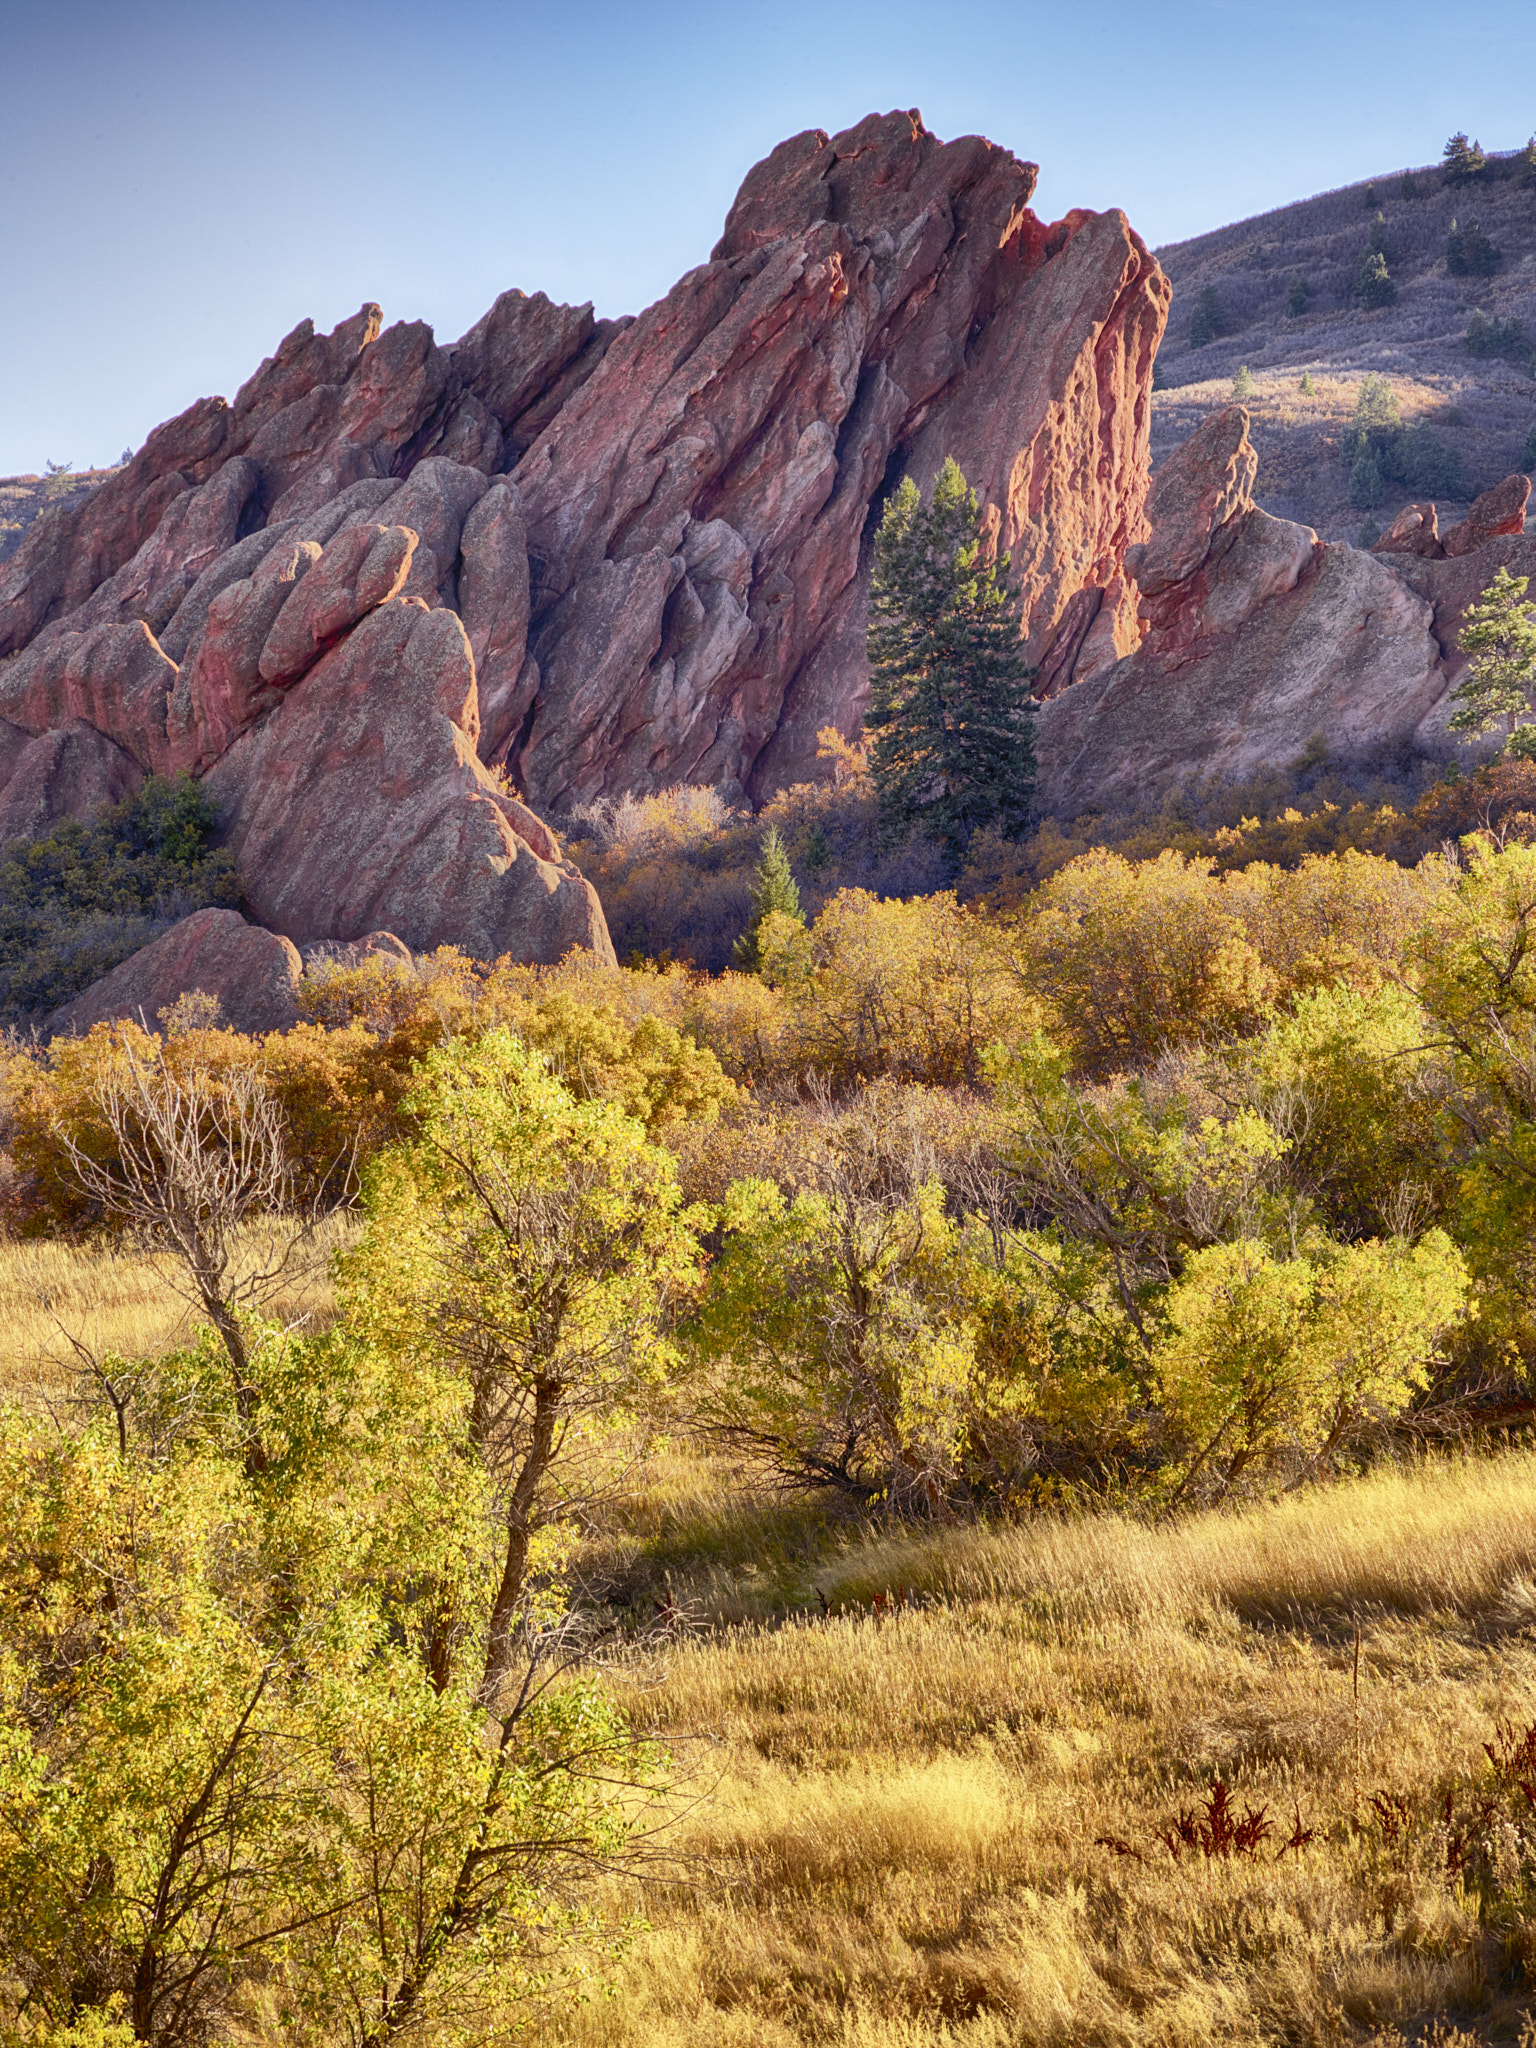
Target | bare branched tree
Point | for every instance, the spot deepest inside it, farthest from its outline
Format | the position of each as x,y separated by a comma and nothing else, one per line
197,1166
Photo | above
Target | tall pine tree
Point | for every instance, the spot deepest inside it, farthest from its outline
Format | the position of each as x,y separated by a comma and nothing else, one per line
953,744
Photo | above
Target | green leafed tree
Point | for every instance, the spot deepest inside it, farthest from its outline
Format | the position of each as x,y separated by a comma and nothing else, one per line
953,745
1242,384
773,891
1499,633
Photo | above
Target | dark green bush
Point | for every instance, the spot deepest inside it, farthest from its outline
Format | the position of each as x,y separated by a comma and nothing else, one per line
1209,320
1469,252
73,904
1496,337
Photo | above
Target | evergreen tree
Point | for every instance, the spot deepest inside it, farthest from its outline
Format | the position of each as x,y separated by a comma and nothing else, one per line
1377,414
1470,252
1208,320
1242,384
1373,285
1298,296
1525,163
1499,633
1406,188
953,743
1528,453
773,889
1377,245
1306,387
1365,479
1463,160
1372,197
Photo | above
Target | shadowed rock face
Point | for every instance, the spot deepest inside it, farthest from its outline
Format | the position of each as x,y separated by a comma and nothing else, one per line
254,974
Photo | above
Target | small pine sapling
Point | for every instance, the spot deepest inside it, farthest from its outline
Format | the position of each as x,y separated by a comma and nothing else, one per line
1499,633
773,891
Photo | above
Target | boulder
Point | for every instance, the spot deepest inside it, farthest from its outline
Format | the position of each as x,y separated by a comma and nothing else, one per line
254,974
1344,655
494,605
219,689
1415,531
359,805
1451,584
1496,513
70,772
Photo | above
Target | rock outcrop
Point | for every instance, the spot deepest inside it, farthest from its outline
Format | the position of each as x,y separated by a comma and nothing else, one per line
254,975
70,772
665,580
1259,641
392,580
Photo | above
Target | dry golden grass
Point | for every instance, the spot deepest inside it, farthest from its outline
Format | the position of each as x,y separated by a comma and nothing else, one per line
899,1842
119,1301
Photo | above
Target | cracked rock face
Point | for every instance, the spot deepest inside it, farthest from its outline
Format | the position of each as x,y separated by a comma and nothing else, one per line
393,581
1259,639
654,533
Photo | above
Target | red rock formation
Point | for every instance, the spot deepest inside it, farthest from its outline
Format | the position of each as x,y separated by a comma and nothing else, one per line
1259,640
1496,513
67,773
699,510
352,809
1415,531
254,974
668,586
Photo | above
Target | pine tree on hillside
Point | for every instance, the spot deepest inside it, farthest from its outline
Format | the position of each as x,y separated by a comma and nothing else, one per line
1525,163
1208,321
1297,297
950,714
1470,251
773,889
1499,633
1463,160
1373,283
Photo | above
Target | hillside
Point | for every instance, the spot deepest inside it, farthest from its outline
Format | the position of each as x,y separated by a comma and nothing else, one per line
1476,412
23,498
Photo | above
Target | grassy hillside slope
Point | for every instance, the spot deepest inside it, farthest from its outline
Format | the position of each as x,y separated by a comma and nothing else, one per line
1480,409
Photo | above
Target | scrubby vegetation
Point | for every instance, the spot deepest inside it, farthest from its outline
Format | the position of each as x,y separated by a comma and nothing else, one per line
76,902
919,1425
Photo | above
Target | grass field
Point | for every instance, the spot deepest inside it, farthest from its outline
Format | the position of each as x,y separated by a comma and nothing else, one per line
56,1296
896,1842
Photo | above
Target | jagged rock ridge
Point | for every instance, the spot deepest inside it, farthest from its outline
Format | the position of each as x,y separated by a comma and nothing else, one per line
392,580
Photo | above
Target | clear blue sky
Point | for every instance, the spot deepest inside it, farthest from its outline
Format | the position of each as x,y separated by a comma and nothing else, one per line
185,179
